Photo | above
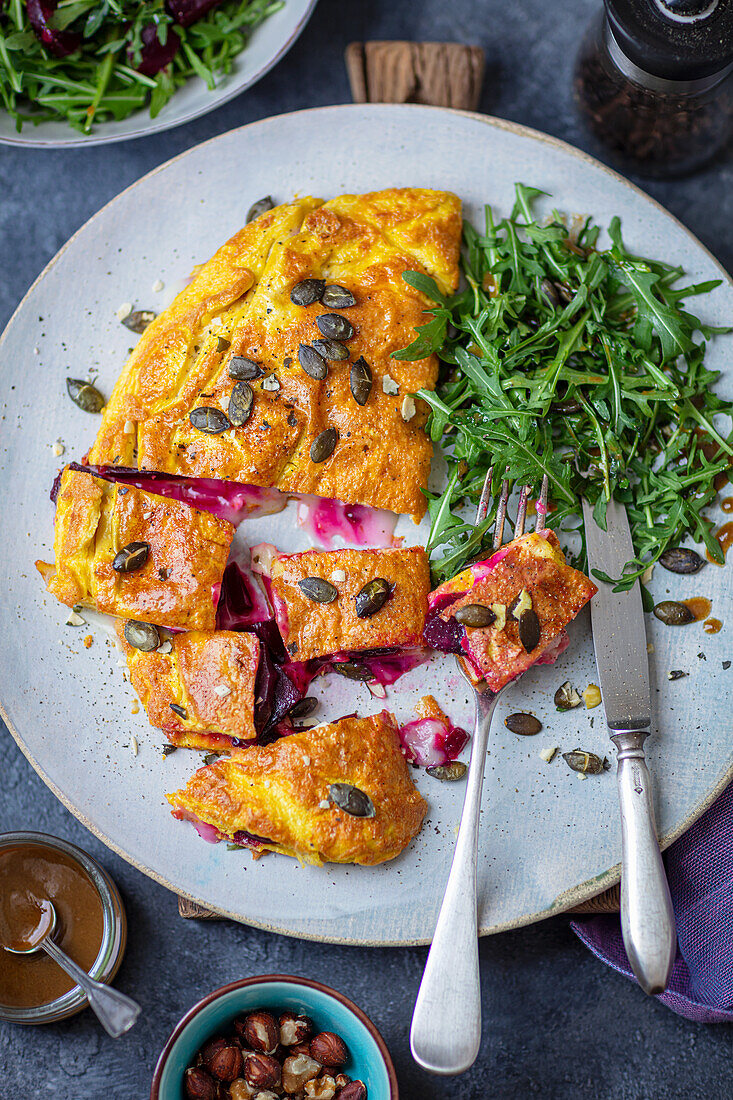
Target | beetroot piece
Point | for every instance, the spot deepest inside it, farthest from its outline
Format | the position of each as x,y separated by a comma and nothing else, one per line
187,12
59,43
154,56
442,635
242,602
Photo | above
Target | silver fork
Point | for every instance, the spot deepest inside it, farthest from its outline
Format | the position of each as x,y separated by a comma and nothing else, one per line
446,1024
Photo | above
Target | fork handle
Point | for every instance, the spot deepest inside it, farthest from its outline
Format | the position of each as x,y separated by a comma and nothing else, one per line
647,916
446,1023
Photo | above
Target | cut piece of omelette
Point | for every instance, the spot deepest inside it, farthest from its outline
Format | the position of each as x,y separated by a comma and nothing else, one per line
359,580
532,595
239,307
202,691
176,586
285,797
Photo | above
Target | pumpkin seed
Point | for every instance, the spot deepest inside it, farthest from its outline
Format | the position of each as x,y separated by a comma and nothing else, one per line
139,319
259,207
566,697
585,762
525,724
352,800
142,636
676,674
211,758
338,297
179,710
240,404
331,349
353,670
312,363
475,614
680,560
131,557
222,344
372,597
303,708
324,445
308,291
529,629
334,326
360,381
244,370
86,396
450,772
567,408
672,613
168,749
209,420
318,590
550,292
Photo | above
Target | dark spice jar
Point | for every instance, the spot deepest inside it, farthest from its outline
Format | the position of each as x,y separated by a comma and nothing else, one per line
654,82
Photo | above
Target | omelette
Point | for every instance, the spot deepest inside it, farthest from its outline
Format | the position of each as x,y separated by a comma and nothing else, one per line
350,600
525,594
273,366
337,793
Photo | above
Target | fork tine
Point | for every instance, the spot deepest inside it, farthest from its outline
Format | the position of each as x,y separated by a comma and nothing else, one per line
542,505
483,504
501,515
521,511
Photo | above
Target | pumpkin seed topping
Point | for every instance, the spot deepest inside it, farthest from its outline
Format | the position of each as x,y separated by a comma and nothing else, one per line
179,710
672,613
334,326
587,763
360,381
676,674
680,560
324,445
240,404
522,723
85,395
338,297
529,629
352,800
210,420
353,670
307,292
566,697
142,636
448,772
475,615
303,708
318,590
243,369
260,207
331,349
131,557
372,597
139,319
312,363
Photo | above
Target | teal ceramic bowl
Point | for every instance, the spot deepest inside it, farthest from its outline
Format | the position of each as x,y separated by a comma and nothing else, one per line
369,1059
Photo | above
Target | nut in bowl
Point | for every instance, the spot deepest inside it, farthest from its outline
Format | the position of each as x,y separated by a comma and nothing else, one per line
275,1036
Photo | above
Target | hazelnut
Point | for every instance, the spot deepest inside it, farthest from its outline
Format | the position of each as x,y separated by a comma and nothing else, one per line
297,1069
342,1079
226,1063
209,1049
355,1090
266,1094
300,1048
262,1070
240,1090
322,1088
329,1049
294,1029
198,1085
261,1032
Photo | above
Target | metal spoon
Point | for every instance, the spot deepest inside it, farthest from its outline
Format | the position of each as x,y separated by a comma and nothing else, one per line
115,1012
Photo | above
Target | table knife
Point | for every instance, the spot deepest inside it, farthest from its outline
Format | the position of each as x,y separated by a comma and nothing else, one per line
619,640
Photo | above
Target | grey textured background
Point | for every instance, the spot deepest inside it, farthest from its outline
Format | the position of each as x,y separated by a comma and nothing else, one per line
557,1023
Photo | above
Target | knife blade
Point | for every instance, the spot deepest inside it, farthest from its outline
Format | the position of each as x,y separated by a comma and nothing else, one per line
619,634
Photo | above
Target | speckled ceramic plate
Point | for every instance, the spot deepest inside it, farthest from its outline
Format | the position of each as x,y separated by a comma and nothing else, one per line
547,839
268,44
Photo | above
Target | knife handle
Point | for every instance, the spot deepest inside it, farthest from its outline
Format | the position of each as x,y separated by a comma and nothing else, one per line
647,916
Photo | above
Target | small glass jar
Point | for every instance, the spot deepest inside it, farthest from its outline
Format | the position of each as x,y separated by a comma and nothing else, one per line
114,934
649,101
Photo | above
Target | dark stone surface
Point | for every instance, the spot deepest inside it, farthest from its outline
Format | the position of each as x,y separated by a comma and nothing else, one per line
557,1024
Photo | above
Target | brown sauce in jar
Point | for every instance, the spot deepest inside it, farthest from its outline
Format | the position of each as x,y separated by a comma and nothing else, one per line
31,875
699,606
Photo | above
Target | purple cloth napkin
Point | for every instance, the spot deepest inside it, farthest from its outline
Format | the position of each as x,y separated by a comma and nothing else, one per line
700,872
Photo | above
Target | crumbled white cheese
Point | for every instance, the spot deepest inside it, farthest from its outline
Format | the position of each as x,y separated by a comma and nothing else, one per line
270,383
222,690
548,754
646,576
75,620
57,448
390,386
165,647
123,311
581,775
307,761
147,515
129,427
338,576
36,351
377,690
133,745
408,408
158,285
324,804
